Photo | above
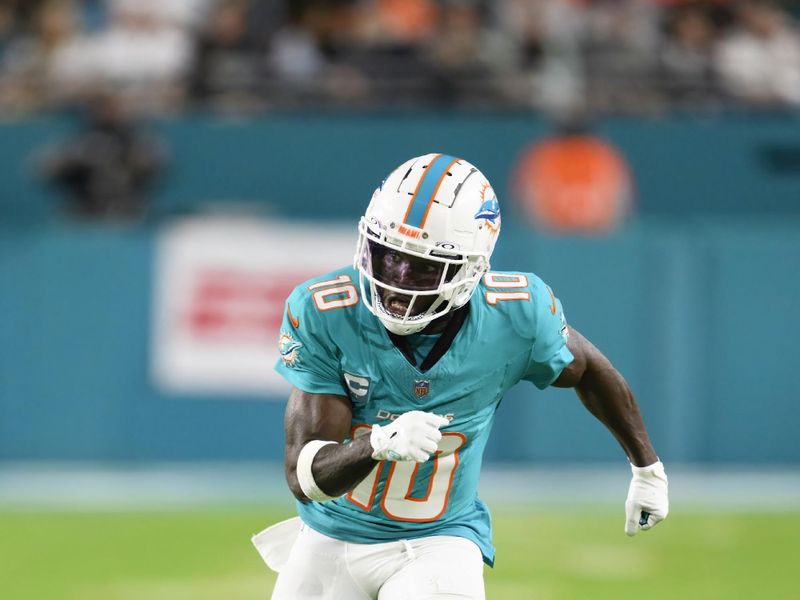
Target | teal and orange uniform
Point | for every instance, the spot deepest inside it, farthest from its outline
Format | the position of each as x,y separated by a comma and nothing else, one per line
512,329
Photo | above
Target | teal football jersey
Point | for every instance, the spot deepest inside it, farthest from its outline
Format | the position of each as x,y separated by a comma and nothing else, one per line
331,344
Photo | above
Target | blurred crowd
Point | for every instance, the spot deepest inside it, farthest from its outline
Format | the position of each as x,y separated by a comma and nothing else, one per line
243,56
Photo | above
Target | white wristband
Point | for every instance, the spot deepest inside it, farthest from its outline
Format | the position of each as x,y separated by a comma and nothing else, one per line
304,476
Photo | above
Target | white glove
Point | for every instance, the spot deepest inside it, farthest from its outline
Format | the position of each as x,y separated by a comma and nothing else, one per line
647,502
413,436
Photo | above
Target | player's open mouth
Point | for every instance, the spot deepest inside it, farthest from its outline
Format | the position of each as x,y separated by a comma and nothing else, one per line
396,304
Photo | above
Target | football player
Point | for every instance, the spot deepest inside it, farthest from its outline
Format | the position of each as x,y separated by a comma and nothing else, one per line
398,365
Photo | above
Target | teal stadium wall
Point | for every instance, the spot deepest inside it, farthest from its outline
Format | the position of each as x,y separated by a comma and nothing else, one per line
695,300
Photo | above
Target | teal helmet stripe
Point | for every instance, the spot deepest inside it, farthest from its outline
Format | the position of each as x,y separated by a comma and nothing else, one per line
427,188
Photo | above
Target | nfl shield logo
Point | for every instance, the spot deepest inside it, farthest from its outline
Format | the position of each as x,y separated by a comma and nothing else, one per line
421,387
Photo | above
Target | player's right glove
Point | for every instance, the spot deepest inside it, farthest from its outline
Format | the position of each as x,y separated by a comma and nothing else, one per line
413,436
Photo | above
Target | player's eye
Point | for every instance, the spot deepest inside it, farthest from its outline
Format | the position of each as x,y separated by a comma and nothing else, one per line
429,269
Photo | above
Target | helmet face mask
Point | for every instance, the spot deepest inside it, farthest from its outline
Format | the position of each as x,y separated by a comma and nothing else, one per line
411,271
395,267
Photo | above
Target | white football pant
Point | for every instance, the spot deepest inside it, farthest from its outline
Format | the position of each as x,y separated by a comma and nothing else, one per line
433,568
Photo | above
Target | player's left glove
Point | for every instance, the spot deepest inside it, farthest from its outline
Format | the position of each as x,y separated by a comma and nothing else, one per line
647,502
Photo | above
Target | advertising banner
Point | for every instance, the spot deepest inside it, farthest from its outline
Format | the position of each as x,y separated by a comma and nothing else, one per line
219,298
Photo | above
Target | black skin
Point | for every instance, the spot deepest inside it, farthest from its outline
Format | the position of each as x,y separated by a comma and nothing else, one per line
339,468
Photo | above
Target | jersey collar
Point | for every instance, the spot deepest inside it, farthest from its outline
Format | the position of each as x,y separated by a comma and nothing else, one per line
441,346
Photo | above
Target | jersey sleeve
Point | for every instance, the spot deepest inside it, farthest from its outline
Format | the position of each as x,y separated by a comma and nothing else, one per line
549,354
308,357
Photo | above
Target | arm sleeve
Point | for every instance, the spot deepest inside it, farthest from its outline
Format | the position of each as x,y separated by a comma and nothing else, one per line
549,353
308,357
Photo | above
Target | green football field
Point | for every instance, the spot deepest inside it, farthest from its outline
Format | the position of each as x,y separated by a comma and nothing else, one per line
542,554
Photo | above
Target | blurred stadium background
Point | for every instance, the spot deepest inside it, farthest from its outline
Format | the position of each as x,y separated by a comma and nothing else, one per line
170,169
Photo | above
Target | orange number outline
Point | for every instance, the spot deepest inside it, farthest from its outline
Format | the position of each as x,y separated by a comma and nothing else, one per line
505,281
407,495
375,474
322,291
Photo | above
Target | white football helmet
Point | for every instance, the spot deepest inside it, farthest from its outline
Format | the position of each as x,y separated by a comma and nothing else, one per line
425,241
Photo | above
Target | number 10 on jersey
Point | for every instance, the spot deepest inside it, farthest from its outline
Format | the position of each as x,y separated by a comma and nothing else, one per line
398,501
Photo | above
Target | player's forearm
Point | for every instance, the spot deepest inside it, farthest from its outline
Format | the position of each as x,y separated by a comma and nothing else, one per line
606,394
337,468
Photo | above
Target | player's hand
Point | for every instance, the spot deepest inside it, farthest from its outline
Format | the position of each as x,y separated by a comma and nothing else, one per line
647,502
413,436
